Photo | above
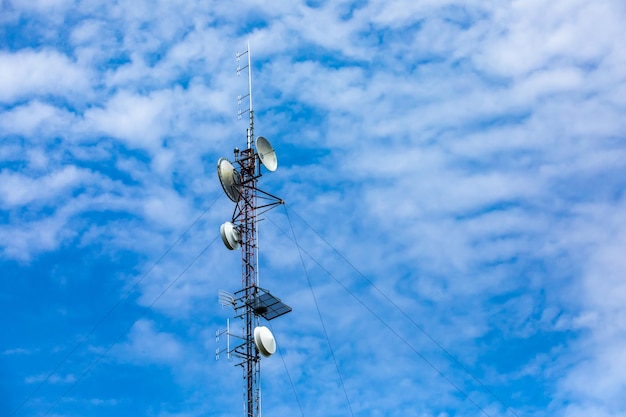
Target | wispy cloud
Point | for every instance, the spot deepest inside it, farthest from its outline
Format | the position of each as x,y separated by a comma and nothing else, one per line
464,156
27,73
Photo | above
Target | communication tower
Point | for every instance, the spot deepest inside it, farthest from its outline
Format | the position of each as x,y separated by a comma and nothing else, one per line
251,303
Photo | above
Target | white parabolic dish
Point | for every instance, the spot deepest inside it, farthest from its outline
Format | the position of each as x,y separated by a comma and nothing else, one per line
264,341
230,236
229,178
267,154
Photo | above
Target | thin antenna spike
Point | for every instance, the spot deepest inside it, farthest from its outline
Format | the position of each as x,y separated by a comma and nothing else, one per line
251,131
228,339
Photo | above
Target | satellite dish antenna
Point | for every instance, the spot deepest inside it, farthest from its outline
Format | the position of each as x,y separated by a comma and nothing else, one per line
230,179
264,341
230,236
267,154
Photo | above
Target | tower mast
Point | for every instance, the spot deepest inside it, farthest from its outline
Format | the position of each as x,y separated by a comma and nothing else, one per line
247,161
251,303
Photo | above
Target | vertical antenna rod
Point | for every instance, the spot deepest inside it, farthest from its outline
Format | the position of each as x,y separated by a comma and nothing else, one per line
247,220
251,129
253,368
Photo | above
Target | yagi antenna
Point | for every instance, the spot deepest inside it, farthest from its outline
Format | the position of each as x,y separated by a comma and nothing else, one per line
249,95
226,299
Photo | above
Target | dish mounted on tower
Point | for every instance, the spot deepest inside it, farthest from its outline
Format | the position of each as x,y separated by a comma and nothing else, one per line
240,183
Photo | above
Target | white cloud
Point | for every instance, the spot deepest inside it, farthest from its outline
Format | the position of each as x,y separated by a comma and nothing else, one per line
19,190
530,35
53,379
146,344
165,206
39,121
17,351
41,223
28,72
88,32
41,6
140,121
598,233
22,241
145,121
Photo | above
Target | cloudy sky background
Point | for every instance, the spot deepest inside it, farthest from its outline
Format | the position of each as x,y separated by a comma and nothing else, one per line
463,159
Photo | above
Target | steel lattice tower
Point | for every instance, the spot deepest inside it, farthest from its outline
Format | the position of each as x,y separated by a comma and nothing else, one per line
248,200
251,303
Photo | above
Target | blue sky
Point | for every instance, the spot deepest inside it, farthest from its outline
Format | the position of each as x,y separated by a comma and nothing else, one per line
463,158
